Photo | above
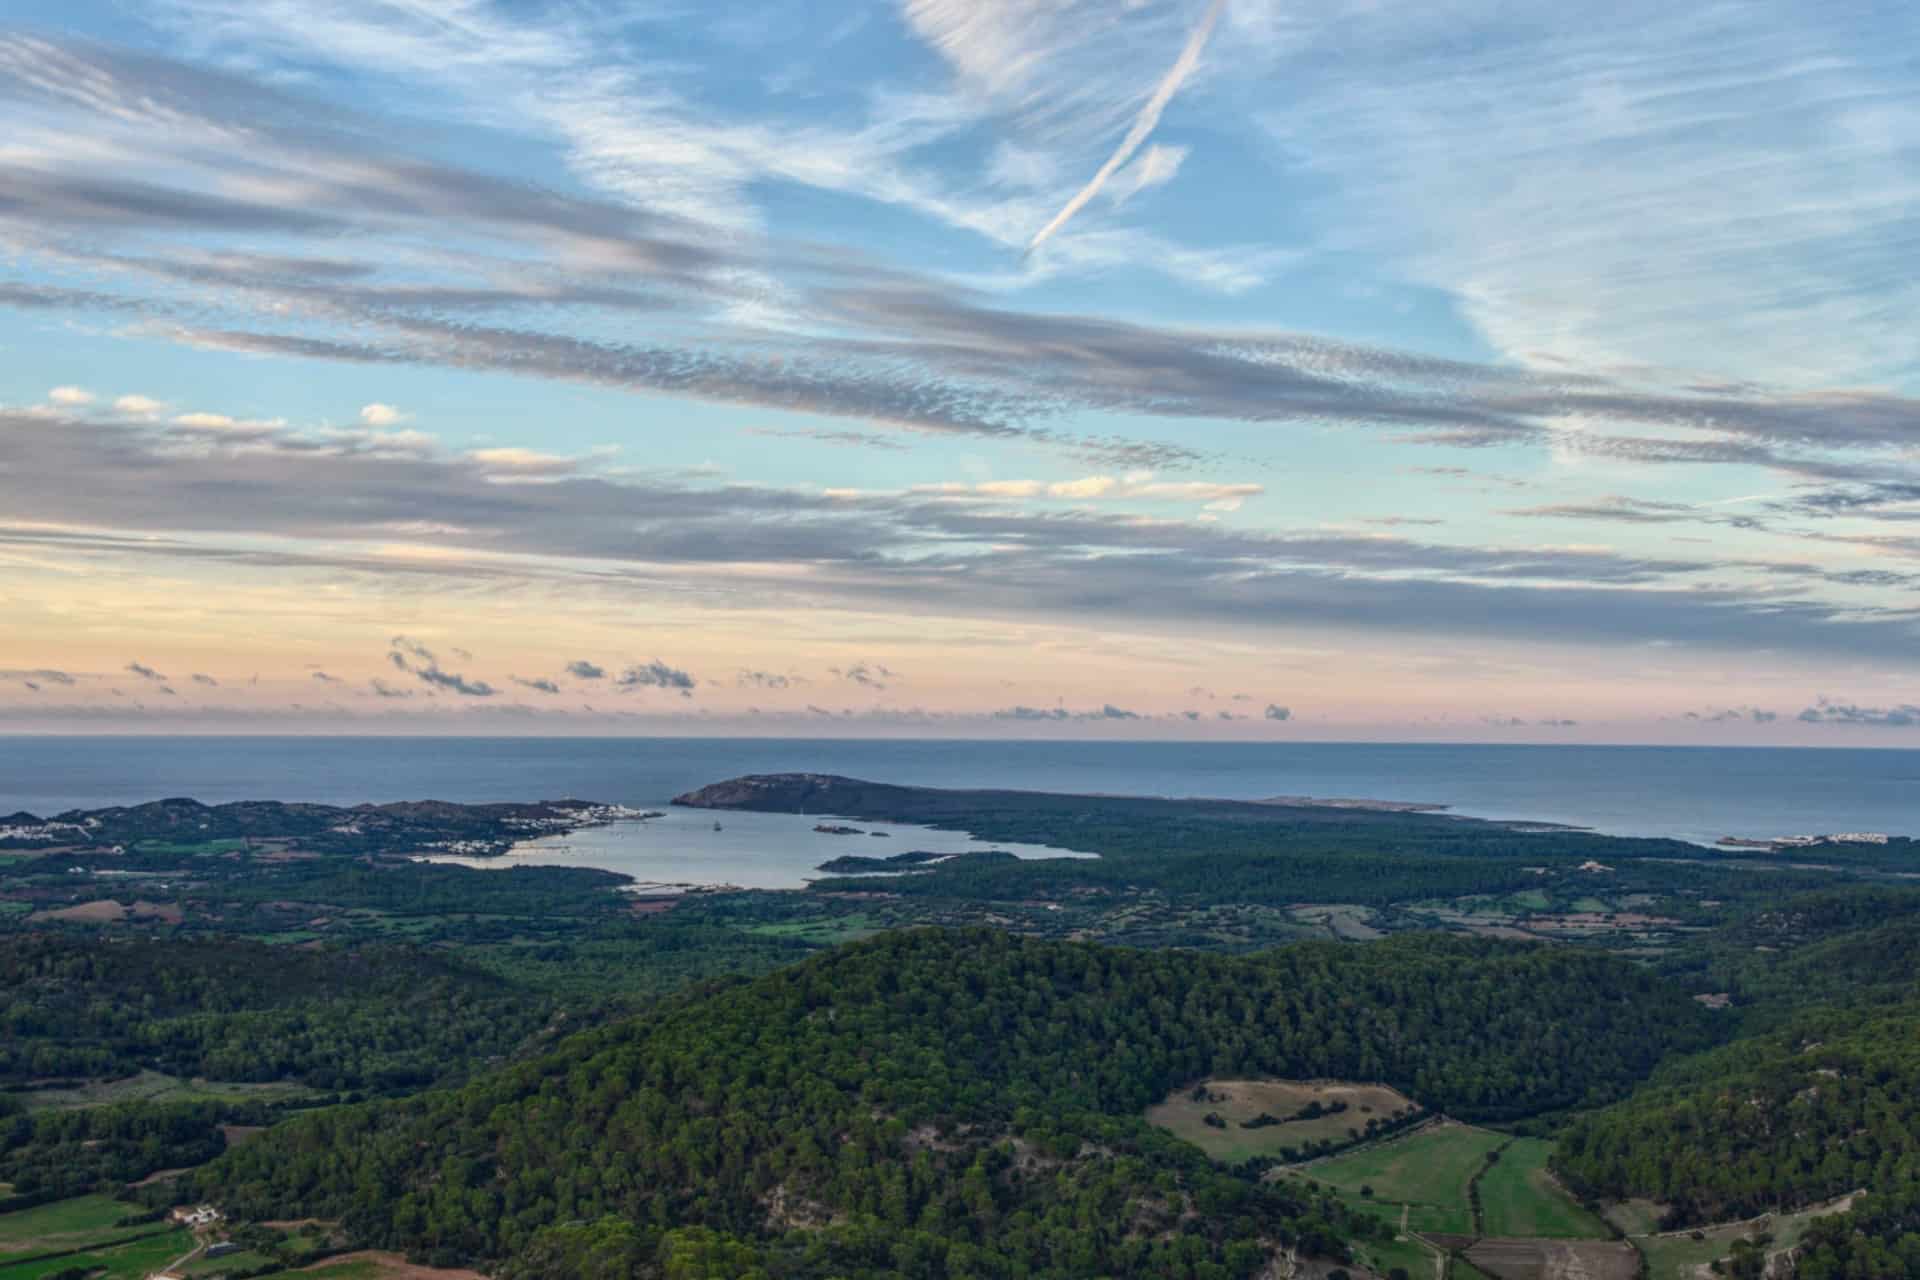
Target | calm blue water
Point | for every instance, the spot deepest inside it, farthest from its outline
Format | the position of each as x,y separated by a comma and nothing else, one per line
688,847
1689,792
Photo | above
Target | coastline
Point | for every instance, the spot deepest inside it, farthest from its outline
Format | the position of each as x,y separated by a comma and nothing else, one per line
1697,794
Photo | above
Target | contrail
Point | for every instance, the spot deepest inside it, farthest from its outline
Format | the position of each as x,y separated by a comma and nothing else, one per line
1143,124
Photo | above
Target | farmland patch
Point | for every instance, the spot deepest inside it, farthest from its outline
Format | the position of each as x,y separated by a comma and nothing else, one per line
1236,1120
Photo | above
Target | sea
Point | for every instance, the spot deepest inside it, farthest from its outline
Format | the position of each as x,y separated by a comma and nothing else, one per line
1689,793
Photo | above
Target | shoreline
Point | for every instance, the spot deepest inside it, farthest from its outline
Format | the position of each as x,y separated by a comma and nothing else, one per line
1696,794
787,847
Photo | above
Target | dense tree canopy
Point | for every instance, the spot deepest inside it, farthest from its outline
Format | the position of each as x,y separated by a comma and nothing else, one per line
378,1017
1826,1106
969,1095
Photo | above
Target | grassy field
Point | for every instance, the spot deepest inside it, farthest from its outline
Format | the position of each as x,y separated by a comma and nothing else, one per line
1427,1172
827,932
1518,1198
1635,1217
199,848
81,1233
66,1224
154,1086
1677,1257
1383,1256
127,1260
1235,1101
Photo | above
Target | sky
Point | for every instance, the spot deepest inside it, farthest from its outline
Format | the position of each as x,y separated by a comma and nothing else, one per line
1235,369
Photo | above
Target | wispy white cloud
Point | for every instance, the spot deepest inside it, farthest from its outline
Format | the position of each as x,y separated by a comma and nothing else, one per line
1723,187
1143,124
632,125
1155,167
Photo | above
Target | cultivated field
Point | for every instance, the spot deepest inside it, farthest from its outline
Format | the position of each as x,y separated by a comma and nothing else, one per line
1518,1197
81,1234
64,1225
1556,1259
1185,1111
1426,1174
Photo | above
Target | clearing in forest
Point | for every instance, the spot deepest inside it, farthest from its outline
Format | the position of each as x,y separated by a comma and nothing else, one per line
1427,1172
81,1235
1518,1197
65,1224
1297,1113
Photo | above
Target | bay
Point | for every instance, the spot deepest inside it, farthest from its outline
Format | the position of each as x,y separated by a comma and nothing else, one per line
1691,793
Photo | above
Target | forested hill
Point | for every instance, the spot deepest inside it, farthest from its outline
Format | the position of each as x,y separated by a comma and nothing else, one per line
1826,1106
1858,945
1818,1099
379,1017
951,1103
829,793
1190,849
853,797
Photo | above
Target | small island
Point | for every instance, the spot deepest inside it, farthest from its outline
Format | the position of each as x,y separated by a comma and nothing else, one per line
853,864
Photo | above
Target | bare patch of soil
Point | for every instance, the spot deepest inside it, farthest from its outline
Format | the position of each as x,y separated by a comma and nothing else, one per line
1556,1259
394,1267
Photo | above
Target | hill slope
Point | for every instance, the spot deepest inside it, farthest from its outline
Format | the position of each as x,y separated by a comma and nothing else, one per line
1823,1107
951,1103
